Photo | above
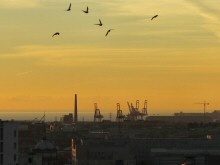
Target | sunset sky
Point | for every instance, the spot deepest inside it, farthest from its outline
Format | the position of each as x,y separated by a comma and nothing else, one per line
172,61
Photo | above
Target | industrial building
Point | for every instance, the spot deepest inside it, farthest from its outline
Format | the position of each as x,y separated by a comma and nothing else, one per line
213,116
67,119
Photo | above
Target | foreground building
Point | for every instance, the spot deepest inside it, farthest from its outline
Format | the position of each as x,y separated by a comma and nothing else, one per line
44,153
9,143
98,148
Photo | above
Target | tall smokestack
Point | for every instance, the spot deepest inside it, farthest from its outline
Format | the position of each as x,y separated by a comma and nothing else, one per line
76,109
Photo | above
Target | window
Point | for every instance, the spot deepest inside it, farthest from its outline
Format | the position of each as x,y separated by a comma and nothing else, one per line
30,160
1,147
15,146
1,133
15,133
1,159
15,158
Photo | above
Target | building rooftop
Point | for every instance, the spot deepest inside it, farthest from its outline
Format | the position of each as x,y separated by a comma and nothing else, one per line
45,145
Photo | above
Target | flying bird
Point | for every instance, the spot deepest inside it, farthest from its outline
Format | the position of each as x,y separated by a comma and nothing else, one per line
154,17
57,33
108,32
100,23
69,8
86,11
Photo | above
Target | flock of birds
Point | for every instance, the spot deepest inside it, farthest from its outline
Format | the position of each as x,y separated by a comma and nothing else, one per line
99,24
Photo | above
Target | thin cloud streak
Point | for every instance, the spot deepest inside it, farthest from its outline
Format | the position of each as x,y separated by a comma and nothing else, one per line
22,4
205,9
23,73
19,3
77,57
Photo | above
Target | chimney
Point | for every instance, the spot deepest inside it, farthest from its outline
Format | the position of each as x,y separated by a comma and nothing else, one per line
75,113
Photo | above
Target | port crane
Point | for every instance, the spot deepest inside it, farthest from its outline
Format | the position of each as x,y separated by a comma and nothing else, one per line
41,120
135,113
204,107
97,116
120,117
144,110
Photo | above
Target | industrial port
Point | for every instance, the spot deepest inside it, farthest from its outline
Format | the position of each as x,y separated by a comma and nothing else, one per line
135,138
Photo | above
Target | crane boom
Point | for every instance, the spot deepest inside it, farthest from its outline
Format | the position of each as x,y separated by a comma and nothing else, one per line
204,107
129,107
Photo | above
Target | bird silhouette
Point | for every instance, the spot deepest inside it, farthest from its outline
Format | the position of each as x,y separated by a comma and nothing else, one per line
69,8
55,34
100,23
86,11
154,17
108,32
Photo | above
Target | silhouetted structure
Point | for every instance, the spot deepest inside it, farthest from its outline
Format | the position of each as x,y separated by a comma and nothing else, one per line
44,153
97,116
120,117
204,109
201,117
104,148
135,114
144,110
76,110
9,142
67,119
